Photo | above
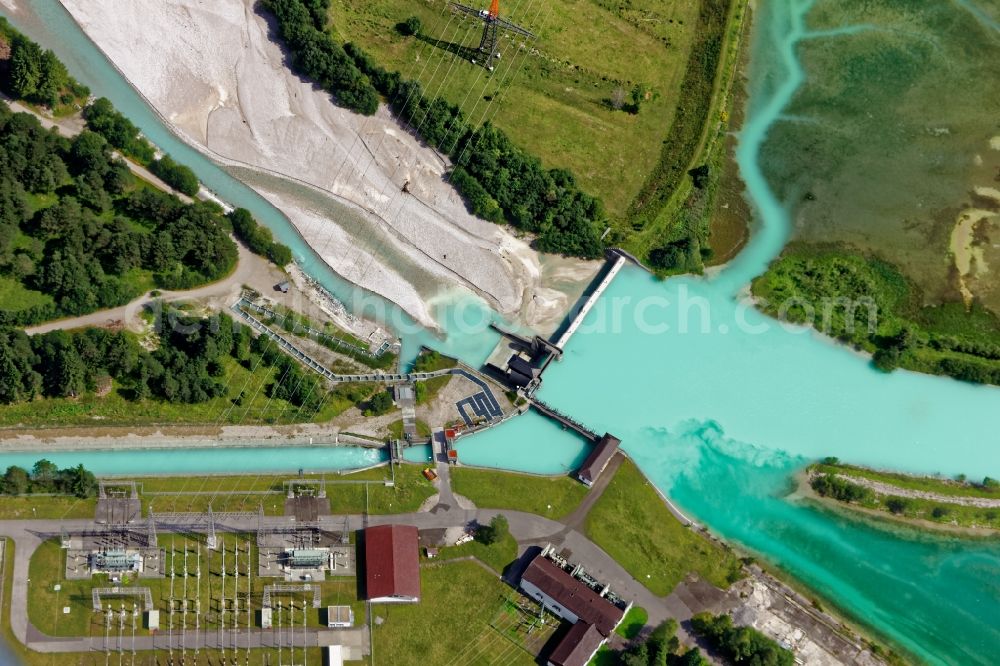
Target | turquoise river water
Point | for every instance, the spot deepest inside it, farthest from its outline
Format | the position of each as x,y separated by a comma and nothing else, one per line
719,405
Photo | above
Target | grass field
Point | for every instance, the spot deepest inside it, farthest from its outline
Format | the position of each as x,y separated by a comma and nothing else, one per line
496,555
30,506
553,97
242,493
633,622
15,297
632,524
396,429
552,497
445,628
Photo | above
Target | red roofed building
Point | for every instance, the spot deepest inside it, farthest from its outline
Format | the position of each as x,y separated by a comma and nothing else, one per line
593,616
569,598
578,646
392,565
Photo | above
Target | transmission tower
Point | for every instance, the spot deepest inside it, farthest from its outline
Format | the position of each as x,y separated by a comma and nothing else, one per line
212,541
151,528
492,25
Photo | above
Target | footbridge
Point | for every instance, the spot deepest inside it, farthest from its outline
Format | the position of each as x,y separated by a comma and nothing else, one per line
314,333
566,421
484,403
616,260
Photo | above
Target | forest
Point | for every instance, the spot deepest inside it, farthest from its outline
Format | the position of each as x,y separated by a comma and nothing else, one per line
186,367
79,233
498,180
33,74
120,133
258,238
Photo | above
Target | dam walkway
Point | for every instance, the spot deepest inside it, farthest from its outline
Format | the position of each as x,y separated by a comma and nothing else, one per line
617,261
563,419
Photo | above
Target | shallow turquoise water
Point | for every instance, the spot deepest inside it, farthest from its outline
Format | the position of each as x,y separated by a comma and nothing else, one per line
418,454
223,460
528,443
719,416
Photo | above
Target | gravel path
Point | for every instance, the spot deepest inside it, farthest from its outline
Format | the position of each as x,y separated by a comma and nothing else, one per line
889,489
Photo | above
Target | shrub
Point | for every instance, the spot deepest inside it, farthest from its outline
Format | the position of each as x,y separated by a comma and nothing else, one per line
897,505
177,176
410,26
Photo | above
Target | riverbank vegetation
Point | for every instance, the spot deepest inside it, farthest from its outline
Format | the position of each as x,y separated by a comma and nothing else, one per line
633,525
740,645
35,75
869,304
676,236
930,501
498,179
45,477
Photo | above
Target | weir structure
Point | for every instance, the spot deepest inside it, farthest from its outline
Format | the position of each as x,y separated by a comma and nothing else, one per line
532,356
524,369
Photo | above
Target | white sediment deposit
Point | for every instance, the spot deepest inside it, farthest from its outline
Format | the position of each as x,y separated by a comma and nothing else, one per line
211,70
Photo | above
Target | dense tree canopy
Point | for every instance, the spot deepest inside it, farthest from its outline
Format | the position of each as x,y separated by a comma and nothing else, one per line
177,176
33,74
320,58
118,130
75,227
258,238
661,648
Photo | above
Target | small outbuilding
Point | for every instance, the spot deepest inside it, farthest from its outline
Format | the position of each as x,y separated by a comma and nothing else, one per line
598,459
392,564
578,646
339,617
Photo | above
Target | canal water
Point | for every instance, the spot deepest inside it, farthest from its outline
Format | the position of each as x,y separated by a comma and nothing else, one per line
221,460
719,405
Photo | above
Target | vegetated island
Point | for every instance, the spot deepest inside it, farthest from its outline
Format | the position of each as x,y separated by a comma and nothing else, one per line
927,502
868,303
